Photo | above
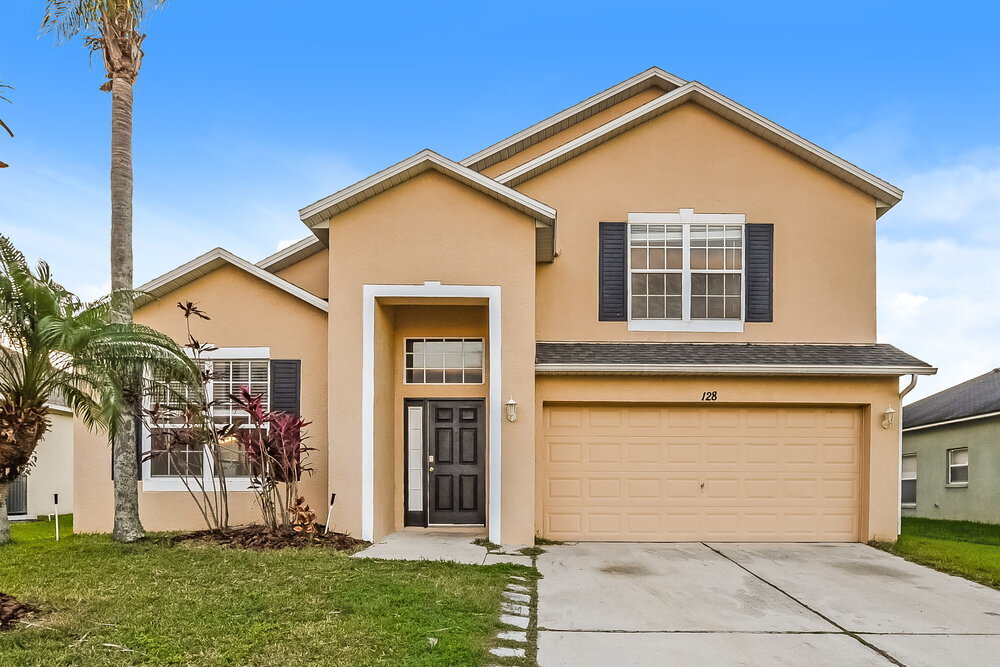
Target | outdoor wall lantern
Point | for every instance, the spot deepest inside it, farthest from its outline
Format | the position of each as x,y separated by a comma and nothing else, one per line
511,407
888,417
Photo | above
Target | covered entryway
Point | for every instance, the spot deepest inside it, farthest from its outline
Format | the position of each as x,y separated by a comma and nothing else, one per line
630,472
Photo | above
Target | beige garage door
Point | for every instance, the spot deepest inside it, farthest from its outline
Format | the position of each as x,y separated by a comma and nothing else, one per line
639,473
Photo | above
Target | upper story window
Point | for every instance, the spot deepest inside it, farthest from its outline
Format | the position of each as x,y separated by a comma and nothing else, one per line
444,361
958,466
685,272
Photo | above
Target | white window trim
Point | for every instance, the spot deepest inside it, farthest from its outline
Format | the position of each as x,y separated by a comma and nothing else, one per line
686,217
444,384
431,289
902,478
157,484
949,452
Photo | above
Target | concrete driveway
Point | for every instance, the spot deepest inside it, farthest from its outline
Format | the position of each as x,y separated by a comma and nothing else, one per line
757,604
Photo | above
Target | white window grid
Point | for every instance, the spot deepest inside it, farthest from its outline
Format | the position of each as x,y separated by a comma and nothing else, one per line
227,376
684,238
443,361
958,459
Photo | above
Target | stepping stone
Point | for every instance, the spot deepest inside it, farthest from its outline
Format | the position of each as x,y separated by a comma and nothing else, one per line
516,621
513,636
517,587
517,597
512,608
504,652
514,576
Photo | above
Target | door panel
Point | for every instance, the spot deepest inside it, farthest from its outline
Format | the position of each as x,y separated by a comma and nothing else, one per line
657,473
457,473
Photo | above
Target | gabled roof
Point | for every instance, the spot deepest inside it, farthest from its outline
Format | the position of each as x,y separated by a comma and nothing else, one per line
978,397
316,214
885,194
210,261
654,76
725,359
293,254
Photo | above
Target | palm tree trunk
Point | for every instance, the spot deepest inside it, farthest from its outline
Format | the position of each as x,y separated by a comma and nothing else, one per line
127,528
4,519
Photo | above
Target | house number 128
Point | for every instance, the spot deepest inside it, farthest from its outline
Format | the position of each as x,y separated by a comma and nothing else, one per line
710,396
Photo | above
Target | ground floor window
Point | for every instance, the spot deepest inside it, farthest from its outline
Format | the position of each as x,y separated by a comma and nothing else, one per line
908,481
188,456
958,466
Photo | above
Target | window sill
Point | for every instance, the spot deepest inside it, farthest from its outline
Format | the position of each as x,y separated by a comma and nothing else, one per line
174,484
909,506
956,485
704,326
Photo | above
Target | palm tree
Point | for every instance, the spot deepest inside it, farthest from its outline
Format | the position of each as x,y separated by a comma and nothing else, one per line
113,28
54,344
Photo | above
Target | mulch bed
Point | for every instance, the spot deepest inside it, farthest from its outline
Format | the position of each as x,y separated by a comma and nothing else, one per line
11,611
261,538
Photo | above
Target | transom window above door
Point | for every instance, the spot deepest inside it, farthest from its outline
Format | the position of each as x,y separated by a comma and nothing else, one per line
444,361
685,272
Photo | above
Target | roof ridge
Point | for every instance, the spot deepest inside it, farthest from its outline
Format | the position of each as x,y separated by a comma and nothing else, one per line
368,187
184,273
886,194
489,155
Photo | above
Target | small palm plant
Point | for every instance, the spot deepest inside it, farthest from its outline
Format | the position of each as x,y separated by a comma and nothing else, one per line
53,344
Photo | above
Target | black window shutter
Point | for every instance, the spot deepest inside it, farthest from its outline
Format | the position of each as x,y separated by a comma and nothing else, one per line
613,272
760,273
286,385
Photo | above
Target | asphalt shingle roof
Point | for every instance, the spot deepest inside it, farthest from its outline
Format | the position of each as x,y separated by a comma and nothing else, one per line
978,396
726,354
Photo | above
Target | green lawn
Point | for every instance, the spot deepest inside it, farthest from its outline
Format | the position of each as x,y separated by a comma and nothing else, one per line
105,603
964,548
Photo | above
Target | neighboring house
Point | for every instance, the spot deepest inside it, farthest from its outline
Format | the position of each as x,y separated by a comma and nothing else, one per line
32,495
951,452
648,317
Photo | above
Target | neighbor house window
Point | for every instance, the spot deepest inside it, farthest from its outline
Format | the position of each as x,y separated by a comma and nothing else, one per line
958,466
908,481
444,361
191,459
685,276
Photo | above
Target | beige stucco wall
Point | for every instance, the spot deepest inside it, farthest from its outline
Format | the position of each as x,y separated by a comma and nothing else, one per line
824,230
245,312
311,274
879,465
429,228
573,131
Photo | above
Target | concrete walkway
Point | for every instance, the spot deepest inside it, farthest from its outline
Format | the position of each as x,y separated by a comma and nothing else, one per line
444,546
745,604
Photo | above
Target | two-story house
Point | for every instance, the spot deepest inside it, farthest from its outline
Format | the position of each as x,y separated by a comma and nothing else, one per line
649,317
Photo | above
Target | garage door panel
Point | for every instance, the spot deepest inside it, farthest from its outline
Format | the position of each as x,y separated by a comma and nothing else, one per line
719,473
706,524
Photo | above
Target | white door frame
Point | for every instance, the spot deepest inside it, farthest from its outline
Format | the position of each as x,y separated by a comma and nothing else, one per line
494,409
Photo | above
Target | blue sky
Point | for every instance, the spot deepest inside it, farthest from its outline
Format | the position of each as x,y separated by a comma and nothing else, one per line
248,110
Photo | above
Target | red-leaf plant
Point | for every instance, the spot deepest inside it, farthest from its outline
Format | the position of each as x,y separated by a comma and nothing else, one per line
276,451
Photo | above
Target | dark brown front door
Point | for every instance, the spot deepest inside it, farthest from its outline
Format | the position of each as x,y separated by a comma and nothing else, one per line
456,469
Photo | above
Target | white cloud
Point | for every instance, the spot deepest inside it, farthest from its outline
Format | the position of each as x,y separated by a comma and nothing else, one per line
939,270
907,305
284,243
